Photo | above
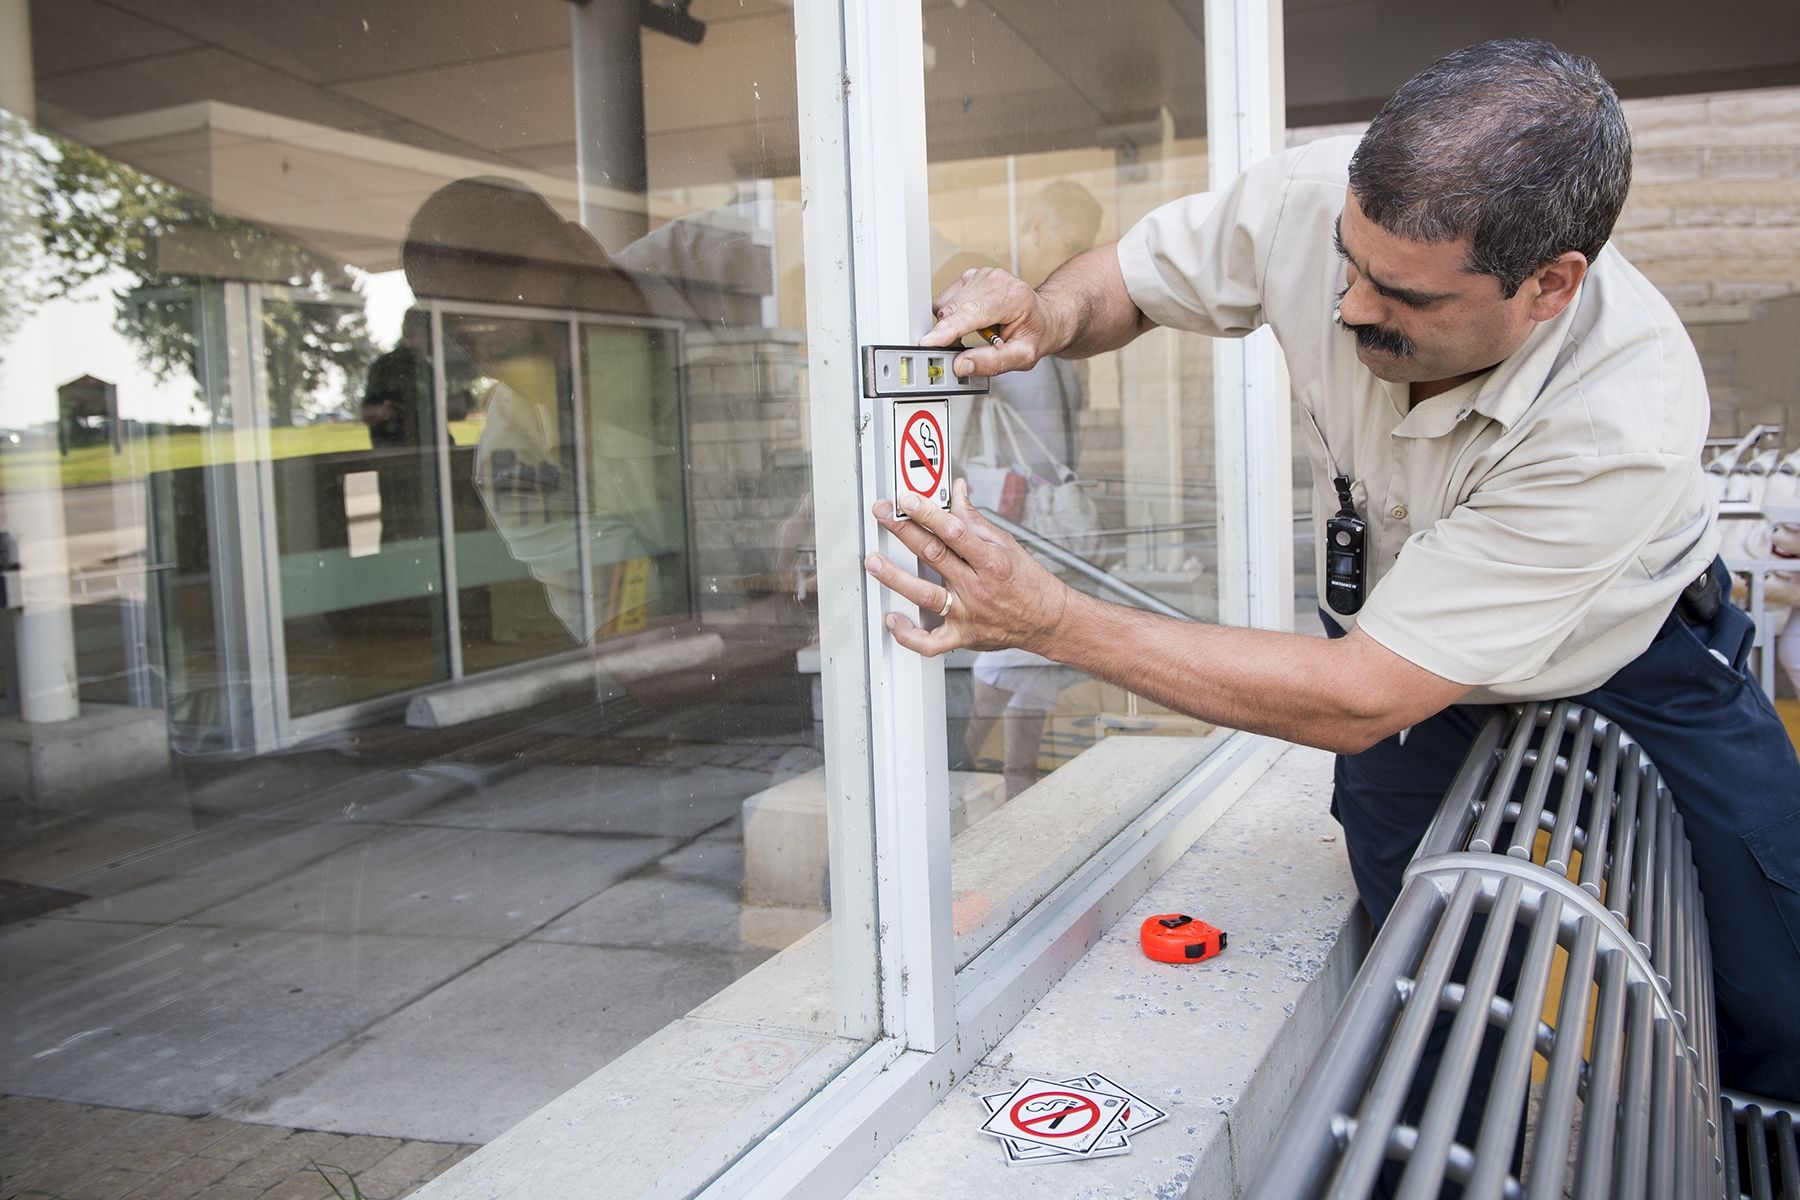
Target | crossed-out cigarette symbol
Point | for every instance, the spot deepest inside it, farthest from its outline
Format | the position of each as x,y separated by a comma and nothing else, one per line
1045,1113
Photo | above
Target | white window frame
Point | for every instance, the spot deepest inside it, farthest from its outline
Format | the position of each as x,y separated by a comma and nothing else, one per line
863,176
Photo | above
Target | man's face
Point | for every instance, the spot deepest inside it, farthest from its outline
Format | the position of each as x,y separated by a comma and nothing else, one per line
1416,314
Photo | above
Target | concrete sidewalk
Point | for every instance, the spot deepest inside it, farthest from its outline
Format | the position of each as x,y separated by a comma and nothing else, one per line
83,1152
372,955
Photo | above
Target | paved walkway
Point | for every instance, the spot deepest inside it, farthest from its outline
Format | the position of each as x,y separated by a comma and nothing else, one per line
410,939
49,1148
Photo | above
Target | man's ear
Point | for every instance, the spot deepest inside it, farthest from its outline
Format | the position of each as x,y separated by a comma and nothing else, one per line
1556,283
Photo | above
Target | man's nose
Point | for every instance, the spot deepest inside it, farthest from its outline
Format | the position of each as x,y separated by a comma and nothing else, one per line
1360,306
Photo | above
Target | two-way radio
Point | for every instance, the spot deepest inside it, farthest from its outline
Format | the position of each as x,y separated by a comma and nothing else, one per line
1345,536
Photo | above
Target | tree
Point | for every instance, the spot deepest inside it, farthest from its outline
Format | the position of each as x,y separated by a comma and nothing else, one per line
101,217
21,169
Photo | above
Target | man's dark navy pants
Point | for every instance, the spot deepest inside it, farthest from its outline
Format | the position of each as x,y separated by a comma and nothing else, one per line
1721,750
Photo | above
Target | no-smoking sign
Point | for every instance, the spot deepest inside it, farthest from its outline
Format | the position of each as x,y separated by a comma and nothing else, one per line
921,451
1056,1114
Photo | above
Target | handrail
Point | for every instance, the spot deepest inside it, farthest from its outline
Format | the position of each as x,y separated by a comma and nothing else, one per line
1734,449
1137,596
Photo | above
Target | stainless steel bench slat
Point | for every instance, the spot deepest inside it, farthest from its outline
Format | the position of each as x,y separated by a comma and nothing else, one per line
1556,834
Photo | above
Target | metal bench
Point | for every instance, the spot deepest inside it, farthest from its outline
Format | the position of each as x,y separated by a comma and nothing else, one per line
1762,1160
1553,905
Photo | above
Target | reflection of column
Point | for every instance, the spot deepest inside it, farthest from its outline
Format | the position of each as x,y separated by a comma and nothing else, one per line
45,626
609,119
249,671
18,88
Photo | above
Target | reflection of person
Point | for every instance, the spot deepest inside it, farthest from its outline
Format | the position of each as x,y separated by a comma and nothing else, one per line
397,408
391,397
1517,417
1014,687
1062,221
496,241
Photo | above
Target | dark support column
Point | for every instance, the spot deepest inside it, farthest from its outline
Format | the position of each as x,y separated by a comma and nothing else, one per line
609,119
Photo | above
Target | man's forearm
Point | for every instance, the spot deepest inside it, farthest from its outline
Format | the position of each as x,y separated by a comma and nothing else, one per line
1088,311
1297,688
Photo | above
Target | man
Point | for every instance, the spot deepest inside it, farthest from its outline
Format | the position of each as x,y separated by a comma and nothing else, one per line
1517,416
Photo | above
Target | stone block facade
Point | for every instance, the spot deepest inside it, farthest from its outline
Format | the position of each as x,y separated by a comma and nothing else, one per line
1713,220
748,447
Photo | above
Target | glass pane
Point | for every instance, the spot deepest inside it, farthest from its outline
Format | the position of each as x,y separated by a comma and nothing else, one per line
518,576
1037,153
355,489
418,495
639,534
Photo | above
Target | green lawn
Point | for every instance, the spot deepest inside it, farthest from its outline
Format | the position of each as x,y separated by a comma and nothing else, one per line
22,467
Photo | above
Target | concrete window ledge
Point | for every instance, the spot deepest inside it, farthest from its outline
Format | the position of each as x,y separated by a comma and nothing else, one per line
1219,1045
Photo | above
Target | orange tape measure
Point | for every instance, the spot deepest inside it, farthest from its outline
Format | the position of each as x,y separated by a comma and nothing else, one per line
1178,938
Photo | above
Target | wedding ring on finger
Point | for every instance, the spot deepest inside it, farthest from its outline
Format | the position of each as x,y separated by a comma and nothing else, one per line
949,599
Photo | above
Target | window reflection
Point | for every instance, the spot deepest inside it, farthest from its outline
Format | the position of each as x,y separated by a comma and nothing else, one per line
1110,459
430,507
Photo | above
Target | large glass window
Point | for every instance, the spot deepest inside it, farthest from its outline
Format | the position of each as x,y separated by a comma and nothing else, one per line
405,451
416,697
356,518
1038,152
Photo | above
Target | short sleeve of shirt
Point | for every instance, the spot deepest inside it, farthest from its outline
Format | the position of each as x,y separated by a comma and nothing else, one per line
1200,263
1488,594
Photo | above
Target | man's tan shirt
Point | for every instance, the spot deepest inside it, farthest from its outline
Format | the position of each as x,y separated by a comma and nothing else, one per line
1529,531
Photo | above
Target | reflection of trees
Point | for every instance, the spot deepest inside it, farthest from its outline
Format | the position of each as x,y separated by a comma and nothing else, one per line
100,216
20,174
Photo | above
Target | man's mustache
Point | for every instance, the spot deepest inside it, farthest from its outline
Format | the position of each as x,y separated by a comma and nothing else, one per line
1375,337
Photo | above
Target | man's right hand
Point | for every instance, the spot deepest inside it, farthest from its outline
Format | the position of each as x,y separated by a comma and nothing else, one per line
987,297
1083,308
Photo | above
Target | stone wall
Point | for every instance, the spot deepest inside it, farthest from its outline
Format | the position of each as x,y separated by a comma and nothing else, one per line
748,461
1714,221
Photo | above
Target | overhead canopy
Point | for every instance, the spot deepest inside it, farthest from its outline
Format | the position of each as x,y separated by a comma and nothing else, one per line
333,119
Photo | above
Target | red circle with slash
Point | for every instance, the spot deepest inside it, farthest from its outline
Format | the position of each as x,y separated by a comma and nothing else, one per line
922,427
1045,1125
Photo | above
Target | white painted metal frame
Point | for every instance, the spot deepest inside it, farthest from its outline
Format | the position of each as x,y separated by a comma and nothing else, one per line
254,437
584,549
249,626
440,406
839,507
891,256
863,188
1245,123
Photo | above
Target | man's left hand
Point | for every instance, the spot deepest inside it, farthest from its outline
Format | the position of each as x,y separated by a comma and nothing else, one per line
1000,596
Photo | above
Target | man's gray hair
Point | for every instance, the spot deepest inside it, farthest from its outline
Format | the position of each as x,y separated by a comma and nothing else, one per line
1515,143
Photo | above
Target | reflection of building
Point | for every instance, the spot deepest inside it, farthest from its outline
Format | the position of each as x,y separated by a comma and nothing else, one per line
305,582
87,413
610,533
